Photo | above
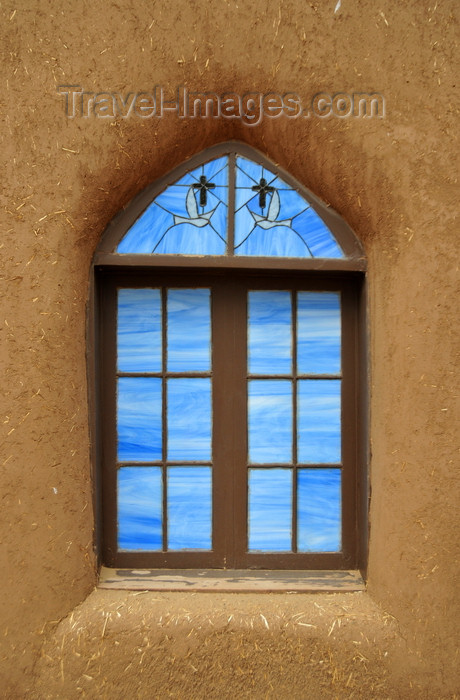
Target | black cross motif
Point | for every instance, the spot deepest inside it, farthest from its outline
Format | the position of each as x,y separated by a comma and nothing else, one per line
263,189
204,186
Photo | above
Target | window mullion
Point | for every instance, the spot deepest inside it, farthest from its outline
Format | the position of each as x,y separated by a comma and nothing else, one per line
231,205
294,419
164,410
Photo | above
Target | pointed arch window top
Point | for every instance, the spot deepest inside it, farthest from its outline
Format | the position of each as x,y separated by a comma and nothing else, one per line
235,204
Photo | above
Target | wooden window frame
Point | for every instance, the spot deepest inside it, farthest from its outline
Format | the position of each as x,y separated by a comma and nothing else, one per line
236,275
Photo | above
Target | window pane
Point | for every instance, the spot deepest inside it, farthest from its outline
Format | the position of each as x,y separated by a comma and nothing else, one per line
189,419
270,421
319,421
139,419
270,510
319,510
189,508
189,330
316,234
139,330
190,235
269,331
139,508
318,333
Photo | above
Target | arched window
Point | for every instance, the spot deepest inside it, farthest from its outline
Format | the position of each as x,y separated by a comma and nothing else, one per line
228,374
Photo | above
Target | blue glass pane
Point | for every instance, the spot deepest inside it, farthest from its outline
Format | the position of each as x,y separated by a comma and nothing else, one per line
316,235
189,330
189,419
219,223
139,419
189,508
318,333
243,190
145,233
270,510
177,222
269,330
252,170
319,421
270,421
173,200
319,510
216,171
139,330
188,179
291,203
139,508
190,238
276,241
216,196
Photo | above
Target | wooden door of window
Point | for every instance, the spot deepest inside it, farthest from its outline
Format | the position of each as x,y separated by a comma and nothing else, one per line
229,421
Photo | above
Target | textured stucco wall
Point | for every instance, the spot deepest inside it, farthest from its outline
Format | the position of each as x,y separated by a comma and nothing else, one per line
392,179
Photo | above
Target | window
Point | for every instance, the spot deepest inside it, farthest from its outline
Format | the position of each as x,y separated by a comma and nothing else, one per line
228,374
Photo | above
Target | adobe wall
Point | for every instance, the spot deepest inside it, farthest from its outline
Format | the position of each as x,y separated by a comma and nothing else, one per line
392,179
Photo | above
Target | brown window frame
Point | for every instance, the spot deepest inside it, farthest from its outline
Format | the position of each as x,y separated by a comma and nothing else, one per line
235,275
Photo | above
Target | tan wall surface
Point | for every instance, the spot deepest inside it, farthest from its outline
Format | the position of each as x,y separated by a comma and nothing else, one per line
392,179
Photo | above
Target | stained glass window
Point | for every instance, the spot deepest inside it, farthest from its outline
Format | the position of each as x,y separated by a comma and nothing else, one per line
269,217
229,390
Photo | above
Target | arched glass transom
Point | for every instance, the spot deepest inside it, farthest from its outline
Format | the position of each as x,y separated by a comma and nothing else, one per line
231,205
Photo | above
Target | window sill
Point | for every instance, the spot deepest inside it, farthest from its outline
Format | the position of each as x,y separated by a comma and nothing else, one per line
237,581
